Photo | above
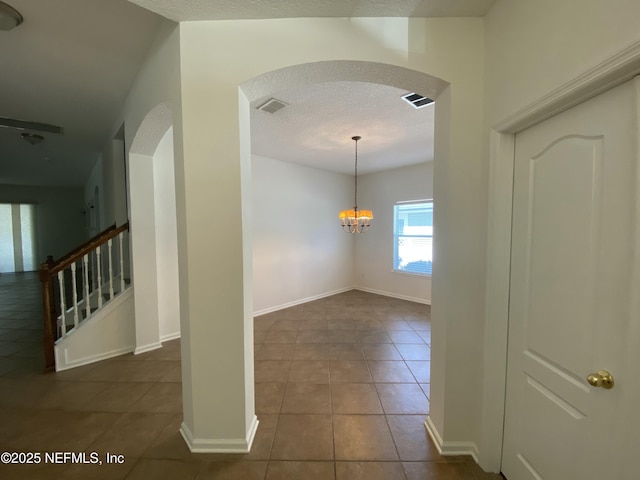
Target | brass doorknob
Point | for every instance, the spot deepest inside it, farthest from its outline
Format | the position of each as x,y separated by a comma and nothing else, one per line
601,379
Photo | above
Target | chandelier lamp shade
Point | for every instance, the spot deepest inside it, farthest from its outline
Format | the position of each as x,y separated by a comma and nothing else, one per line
356,220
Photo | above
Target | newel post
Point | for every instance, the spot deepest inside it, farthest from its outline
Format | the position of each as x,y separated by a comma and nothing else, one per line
50,323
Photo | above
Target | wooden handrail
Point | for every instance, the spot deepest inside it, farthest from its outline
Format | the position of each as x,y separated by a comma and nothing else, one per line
85,248
49,269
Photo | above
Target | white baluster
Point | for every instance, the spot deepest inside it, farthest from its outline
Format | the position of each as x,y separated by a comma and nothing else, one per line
75,294
95,268
121,263
110,270
63,307
87,303
99,275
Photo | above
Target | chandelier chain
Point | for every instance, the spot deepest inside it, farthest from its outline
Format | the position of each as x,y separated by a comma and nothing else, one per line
354,221
355,199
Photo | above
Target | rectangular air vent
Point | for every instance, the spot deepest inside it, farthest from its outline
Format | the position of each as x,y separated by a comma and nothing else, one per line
417,100
272,105
34,126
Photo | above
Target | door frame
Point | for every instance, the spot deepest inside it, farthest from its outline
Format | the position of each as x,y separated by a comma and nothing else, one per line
613,71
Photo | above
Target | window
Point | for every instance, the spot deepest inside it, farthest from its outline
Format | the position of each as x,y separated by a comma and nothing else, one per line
17,242
412,237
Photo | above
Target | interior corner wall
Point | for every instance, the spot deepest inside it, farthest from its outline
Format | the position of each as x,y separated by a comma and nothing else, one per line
299,250
60,221
374,250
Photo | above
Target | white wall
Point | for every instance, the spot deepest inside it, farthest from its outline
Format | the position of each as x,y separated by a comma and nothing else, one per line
119,178
60,220
374,249
114,195
166,239
299,250
535,47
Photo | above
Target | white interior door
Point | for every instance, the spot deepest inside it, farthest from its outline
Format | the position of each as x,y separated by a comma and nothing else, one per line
572,280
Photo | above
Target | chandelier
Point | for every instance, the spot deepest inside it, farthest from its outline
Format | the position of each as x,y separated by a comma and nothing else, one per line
356,221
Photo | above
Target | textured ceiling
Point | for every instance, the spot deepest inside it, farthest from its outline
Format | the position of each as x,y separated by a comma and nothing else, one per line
185,10
316,127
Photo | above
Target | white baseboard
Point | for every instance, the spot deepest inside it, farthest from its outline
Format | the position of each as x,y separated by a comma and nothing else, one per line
67,364
449,448
147,348
301,301
169,337
393,295
240,445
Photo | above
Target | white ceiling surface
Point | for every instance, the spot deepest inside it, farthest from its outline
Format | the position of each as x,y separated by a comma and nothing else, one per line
316,127
72,62
185,10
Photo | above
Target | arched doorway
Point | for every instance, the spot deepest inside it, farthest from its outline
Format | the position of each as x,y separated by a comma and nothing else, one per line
152,214
251,91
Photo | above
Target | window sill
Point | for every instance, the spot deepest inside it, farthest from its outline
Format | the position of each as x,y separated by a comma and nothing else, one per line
412,274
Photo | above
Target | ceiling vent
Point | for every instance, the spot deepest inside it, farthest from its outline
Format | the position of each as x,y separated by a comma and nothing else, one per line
33,126
272,105
417,100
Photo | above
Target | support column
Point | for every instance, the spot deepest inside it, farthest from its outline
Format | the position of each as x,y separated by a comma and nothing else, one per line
215,252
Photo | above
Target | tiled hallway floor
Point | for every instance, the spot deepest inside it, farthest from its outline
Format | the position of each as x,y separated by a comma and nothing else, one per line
342,393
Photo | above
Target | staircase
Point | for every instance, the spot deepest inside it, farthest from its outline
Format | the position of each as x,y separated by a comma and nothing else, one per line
88,302
67,323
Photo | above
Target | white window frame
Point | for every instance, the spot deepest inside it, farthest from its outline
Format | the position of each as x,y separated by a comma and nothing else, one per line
396,237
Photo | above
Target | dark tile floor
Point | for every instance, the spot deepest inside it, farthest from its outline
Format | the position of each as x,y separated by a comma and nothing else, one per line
342,392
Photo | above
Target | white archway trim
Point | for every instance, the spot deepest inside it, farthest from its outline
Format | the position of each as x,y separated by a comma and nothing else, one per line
257,88
613,71
151,130
342,70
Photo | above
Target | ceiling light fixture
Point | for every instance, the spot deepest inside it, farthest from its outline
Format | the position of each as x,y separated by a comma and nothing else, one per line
356,221
32,138
9,17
